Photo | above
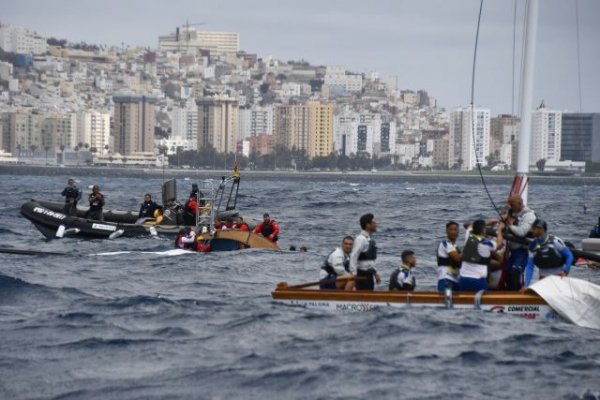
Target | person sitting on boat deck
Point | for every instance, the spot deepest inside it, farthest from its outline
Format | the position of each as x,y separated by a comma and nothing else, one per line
595,233
96,200
337,264
186,239
147,209
475,258
548,252
203,242
268,228
364,254
402,278
518,222
240,225
72,195
448,259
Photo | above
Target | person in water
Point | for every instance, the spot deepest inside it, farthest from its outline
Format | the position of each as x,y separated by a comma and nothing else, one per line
364,254
72,195
186,239
337,264
203,243
96,200
547,252
476,256
268,228
402,278
448,259
518,223
147,209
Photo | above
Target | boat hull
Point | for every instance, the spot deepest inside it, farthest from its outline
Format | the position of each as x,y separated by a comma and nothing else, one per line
527,305
50,223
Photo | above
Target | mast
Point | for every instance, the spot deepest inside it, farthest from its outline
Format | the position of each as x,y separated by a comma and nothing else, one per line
520,181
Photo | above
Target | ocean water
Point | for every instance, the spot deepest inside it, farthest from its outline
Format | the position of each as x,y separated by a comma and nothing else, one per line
203,326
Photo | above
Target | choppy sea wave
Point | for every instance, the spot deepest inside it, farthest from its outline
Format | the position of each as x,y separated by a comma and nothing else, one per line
140,325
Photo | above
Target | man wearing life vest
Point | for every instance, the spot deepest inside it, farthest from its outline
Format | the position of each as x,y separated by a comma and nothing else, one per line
240,225
364,254
448,259
547,252
268,228
202,244
519,224
186,239
72,195
476,256
402,278
147,209
337,264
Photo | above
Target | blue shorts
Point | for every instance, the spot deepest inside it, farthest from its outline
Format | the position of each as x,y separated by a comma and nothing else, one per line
472,284
518,259
443,283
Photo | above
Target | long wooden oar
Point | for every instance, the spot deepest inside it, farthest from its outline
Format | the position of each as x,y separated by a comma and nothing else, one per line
284,285
26,252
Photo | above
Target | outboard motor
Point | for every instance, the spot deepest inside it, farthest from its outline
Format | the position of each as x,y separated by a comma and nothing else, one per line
169,193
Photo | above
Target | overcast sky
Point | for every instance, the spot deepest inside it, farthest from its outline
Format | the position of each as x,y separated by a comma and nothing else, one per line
428,44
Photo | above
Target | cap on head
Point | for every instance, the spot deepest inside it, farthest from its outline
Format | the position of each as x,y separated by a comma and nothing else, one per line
540,223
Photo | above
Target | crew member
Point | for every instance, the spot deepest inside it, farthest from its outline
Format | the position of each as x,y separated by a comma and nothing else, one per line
203,244
190,209
448,259
519,223
363,255
594,233
96,200
186,239
268,228
147,209
240,225
548,252
72,195
476,257
337,264
402,278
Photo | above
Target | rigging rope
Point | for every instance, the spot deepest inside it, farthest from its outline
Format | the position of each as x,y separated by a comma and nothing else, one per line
473,119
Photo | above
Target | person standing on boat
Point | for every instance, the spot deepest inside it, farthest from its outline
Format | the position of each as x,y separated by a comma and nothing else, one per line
402,278
518,222
268,228
147,209
548,252
364,254
476,256
337,264
96,200
72,195
448,259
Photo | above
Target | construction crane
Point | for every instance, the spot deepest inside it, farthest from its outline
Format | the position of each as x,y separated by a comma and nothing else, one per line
187,35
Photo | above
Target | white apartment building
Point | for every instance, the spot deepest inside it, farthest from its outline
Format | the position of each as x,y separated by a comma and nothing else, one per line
338,79
546,133
21,40
469,135
366,132
93,129
255,121
184,125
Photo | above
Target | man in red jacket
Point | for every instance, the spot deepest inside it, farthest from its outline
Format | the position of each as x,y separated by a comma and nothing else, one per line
268,228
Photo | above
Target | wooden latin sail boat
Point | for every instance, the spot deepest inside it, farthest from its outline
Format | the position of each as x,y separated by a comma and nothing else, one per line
544,299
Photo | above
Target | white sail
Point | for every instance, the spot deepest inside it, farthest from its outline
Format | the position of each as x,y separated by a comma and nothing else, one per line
575,300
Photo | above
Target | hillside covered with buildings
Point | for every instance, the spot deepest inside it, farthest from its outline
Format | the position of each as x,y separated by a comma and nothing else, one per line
200,101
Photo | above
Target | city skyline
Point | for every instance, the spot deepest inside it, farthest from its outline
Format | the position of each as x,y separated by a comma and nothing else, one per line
428,45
